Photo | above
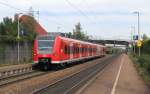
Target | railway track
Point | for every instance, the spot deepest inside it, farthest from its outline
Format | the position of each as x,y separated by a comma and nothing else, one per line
17,78
71,83
12,74
9,71
57,84
18,73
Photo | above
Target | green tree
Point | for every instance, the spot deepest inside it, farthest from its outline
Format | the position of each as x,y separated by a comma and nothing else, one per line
146,45
145,37
78,33
28,29
8,30
69,35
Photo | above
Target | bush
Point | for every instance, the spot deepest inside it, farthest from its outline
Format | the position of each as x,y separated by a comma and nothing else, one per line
146,47
144,62
8,30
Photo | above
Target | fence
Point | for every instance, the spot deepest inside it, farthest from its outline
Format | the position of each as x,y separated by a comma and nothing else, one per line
9,52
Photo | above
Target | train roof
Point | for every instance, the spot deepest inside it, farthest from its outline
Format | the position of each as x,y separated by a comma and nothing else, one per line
49,37
79,41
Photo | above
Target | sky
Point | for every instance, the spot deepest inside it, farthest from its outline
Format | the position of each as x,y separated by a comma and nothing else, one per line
101,19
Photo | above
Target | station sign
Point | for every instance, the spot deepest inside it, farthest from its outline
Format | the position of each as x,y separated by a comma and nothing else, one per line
135,37
139,43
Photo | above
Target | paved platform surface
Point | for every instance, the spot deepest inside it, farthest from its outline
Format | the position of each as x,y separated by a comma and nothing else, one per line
119,77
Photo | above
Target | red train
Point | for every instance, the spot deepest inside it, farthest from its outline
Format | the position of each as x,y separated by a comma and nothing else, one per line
58,50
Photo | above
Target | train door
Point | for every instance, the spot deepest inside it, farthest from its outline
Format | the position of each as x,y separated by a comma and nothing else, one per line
71,51
88,50
80,50
98,51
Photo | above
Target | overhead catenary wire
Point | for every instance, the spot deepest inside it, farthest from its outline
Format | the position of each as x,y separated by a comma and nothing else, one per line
23,11
60,24
10,6
47,19
80,11
89,9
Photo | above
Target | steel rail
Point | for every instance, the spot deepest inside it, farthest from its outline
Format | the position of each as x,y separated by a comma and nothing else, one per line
49,88
10,71
17,78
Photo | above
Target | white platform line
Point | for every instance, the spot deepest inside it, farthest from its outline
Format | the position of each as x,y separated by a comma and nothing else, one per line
117,77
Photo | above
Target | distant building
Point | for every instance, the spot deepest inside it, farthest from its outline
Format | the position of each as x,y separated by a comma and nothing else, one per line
38,28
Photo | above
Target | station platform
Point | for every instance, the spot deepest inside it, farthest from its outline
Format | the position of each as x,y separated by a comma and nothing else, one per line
119,77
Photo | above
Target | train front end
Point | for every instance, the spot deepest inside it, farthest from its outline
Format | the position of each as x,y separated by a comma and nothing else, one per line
43,49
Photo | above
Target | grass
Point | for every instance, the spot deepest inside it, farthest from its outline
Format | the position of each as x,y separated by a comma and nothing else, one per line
142,64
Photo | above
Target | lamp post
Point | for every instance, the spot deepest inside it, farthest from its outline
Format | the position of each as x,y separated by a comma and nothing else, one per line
139,35
133,38
18,37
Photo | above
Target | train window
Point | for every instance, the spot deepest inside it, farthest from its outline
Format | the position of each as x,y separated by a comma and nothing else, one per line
82,50
85,49
95,49
45,47
46,37
70,49
77,49
67,50
73,50
90,50
45,43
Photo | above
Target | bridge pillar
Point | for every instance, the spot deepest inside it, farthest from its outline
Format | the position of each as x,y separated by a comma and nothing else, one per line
114,44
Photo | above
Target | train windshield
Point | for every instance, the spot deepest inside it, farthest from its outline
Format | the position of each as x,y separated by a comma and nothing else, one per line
45,44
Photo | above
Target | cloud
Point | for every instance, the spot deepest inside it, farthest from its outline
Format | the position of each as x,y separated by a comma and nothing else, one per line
104,18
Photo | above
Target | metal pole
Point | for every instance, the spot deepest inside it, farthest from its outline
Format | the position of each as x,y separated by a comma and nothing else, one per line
134,40
38,13
139,38
139,51
18,37
139,26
